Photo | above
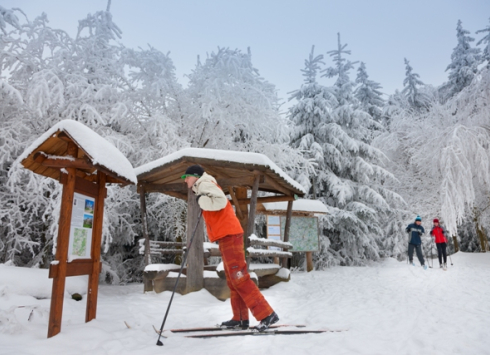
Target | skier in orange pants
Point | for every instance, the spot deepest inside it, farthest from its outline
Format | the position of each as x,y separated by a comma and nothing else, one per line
223,226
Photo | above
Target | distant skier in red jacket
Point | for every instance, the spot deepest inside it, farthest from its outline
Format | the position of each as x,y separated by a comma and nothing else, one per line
439,235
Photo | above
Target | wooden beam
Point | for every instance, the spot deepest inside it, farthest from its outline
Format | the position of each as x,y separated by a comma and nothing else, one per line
166,244
182,188
239,181
58,287
241,193
235,202
279,187
195,257
121,180
309,261
177,187
287,227
76,267
246,201
144,223
270,243
62,161
93,279
65,137
260,253
81,185
252,209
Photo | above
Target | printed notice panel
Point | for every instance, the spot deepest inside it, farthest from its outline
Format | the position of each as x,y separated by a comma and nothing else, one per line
303,233
82,221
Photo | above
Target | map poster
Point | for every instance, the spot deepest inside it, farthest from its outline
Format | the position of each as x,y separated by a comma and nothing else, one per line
303,233
82,221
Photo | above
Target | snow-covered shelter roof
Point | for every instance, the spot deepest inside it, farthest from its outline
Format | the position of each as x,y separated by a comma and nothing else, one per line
95,151
299,205
230,168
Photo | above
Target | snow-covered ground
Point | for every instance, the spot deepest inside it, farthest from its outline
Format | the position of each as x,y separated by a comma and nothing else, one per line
388,308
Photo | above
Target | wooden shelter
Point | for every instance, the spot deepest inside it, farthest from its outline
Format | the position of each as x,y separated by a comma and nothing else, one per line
236,172
84,163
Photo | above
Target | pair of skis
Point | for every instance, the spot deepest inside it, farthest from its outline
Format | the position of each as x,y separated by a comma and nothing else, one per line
216,332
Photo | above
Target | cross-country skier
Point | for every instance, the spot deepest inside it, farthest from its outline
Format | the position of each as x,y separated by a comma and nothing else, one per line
439,235
415,231
223,226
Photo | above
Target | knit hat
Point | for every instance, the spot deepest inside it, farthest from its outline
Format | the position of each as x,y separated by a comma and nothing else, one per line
194,170
436,220
418,219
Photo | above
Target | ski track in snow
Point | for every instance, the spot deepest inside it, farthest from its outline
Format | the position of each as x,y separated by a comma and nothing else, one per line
388,308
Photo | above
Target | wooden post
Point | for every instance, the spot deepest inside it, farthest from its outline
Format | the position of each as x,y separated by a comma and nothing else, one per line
251,217
241,193
309,261
93,279
238,210
144,223
289,214
58,288
195,262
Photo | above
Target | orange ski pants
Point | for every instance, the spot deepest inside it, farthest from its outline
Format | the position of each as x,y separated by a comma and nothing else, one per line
245,294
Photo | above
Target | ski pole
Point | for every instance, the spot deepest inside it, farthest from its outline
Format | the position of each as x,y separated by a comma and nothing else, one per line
425,254
159,343
449,257
431,255
408,246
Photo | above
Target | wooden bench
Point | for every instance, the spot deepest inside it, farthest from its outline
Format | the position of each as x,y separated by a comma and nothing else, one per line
163,248
156,276
212,249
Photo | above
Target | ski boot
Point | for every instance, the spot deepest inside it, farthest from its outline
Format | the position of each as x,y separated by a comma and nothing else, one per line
235,324
267,322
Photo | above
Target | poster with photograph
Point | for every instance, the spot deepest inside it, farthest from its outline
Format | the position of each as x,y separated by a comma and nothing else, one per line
82,221
274,230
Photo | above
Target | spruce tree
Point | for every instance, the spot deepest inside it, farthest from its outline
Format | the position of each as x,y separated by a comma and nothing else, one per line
368,93
486,42
464,62
351,178
314,103
416,98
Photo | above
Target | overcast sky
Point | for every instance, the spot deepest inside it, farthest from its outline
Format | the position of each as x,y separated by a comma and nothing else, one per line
280,33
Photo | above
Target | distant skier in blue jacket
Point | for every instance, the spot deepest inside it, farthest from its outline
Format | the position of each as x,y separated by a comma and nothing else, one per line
415,231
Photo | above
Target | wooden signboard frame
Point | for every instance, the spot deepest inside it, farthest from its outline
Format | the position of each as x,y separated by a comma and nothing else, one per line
62,268
60,157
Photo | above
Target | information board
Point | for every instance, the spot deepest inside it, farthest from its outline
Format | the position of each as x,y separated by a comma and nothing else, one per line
82,220
303,233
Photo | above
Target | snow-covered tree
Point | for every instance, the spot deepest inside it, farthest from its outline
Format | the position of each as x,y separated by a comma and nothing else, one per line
351,178
464,62
233,107
486,42
442,157
126,96
415,97
368,93
313,107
